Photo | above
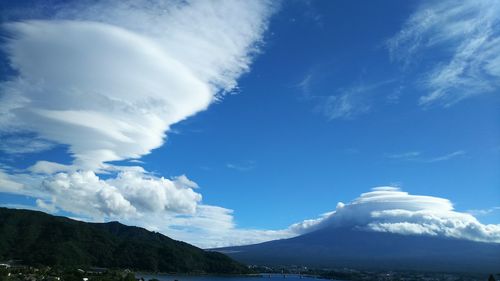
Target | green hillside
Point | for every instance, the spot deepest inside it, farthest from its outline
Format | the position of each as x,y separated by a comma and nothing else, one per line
37,238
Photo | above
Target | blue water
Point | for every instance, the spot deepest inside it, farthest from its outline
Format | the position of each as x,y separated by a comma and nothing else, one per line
263,277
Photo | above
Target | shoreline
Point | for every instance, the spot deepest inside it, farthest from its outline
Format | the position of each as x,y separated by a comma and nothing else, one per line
139,273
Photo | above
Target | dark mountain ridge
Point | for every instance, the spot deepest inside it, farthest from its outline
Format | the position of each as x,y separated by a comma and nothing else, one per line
37,238
347,247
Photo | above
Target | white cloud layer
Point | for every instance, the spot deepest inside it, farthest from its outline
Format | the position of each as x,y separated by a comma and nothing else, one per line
145,202
466,37
132,193
385,209
389,209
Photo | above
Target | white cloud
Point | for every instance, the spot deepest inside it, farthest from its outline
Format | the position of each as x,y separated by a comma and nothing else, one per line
405,155
347,103
385,209
466,38
447,156
483,212
152,194
114,81
309,225
244,166
212,226
390,210
50,208
86,194
47,167
418,156
23,144
7,184
105,109
132,193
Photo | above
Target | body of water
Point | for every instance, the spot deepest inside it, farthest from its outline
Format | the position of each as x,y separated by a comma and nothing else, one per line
263,277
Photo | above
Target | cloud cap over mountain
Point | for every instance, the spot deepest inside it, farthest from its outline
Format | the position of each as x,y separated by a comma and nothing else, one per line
388,209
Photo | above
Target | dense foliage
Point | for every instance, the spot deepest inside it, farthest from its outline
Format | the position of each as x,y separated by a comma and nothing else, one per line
37,238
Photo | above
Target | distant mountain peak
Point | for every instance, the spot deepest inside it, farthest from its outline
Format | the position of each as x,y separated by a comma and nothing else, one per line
367,249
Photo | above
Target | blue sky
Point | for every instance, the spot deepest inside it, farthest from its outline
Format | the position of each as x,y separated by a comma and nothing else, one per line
324,101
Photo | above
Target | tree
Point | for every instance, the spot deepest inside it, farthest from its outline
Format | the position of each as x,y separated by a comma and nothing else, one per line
3,274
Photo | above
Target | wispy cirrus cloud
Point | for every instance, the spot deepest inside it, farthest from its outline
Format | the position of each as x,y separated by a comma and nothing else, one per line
446,156
346,104
343,103
463,40
419,157
405,155
483,212
242,166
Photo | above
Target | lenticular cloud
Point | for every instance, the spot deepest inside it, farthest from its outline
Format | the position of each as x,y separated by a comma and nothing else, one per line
108,79
389,209
108,93
111,79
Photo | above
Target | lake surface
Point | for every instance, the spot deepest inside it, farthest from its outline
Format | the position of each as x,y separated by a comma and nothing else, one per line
264,277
